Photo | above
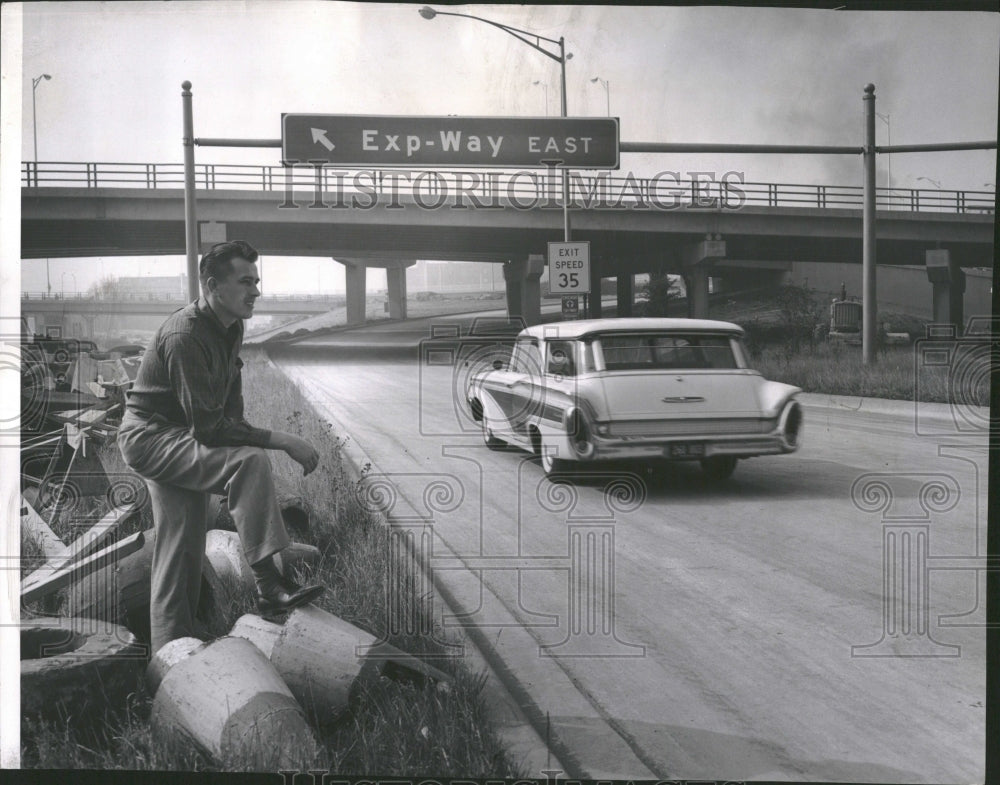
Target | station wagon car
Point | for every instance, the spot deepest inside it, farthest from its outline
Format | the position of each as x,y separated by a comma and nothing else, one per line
655,389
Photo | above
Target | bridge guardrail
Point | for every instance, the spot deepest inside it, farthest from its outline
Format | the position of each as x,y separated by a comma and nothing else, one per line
499,188
171,298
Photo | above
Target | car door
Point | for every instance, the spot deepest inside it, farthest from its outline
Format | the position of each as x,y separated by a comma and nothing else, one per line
522,387
562,361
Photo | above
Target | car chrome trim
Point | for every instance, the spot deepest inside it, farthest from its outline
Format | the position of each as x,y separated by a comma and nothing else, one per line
709,427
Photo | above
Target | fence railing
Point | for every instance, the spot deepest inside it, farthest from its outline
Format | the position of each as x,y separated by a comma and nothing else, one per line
166,297
495,189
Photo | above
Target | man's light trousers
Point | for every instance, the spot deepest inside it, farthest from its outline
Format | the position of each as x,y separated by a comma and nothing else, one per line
181,473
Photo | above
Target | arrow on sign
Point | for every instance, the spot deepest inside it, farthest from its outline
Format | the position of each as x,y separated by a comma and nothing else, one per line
319,135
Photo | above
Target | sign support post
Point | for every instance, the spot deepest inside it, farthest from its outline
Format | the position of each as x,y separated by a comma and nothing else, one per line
190,204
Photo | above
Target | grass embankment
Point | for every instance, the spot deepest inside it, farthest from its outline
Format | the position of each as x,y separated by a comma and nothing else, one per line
395,727
897,374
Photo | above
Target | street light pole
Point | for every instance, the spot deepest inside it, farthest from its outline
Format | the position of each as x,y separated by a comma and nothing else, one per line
607,90
525,36
34,121
868,259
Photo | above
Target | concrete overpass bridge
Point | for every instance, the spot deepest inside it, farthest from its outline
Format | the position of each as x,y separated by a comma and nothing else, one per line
735,231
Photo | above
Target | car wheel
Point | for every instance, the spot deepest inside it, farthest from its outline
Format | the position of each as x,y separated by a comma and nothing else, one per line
554,466
491,441
719,467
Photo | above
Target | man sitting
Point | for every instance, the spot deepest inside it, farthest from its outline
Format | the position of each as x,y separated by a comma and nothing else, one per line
184,432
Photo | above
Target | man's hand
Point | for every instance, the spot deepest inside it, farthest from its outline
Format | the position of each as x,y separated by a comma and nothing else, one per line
297,448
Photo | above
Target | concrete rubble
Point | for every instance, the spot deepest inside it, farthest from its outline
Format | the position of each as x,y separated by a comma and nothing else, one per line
245,700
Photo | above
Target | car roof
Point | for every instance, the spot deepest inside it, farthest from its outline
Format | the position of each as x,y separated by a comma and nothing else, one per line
582,327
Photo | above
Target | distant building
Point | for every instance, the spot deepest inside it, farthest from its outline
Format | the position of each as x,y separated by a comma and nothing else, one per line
433,276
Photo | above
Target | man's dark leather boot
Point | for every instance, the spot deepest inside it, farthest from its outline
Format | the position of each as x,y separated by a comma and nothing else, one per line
278,594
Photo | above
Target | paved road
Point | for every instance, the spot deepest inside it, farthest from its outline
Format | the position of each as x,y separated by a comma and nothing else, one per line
706,631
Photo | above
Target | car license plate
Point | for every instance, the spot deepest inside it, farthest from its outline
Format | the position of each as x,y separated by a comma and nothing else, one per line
695,450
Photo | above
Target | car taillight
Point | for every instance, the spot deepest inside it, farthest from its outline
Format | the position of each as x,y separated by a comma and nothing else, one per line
790,424
578,429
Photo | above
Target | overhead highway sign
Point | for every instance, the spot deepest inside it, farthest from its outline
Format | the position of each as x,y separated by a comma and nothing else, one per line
399,141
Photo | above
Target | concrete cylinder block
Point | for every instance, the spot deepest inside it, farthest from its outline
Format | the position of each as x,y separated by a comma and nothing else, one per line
320,656
231,702
224,551
316,654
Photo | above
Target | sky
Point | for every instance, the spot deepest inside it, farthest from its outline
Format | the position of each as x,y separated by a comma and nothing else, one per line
674,74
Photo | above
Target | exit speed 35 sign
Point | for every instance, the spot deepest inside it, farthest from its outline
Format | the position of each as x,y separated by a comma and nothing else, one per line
569,267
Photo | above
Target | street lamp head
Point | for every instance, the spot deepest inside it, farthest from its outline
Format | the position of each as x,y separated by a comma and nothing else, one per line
596,79
47,76
427,12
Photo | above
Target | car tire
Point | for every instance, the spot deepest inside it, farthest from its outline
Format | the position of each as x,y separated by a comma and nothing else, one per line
553,466
719,467
77,668
489,439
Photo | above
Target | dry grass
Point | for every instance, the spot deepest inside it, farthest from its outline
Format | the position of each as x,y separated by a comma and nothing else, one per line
835,369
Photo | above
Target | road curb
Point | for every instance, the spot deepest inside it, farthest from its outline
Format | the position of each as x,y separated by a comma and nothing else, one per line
942,414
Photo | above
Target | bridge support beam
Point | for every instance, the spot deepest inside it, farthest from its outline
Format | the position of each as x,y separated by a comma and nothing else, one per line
698,261
626,293
594,299
355,275
395,278
524,291
948,281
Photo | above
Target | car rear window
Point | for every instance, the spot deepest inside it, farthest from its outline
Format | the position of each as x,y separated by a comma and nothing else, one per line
672,351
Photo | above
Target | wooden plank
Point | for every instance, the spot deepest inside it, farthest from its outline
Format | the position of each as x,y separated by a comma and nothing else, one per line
53,548
84,417
92,539
44,581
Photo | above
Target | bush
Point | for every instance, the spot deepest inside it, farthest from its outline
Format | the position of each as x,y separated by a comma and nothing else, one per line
659,291
800,314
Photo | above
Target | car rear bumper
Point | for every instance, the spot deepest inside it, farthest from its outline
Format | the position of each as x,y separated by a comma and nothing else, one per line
693,448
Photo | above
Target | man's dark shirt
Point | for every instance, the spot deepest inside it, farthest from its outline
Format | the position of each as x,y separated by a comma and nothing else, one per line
190,375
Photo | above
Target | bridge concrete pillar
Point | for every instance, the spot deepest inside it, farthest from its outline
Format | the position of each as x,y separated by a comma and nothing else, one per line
531,289
626,293
395,278
698,261
355,275
948,281
513,276
594,299
524,291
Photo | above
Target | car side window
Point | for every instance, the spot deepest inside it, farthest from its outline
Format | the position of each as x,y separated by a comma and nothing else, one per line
559,358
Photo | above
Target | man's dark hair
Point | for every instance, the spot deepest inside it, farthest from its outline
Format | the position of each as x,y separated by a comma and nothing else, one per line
216,263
